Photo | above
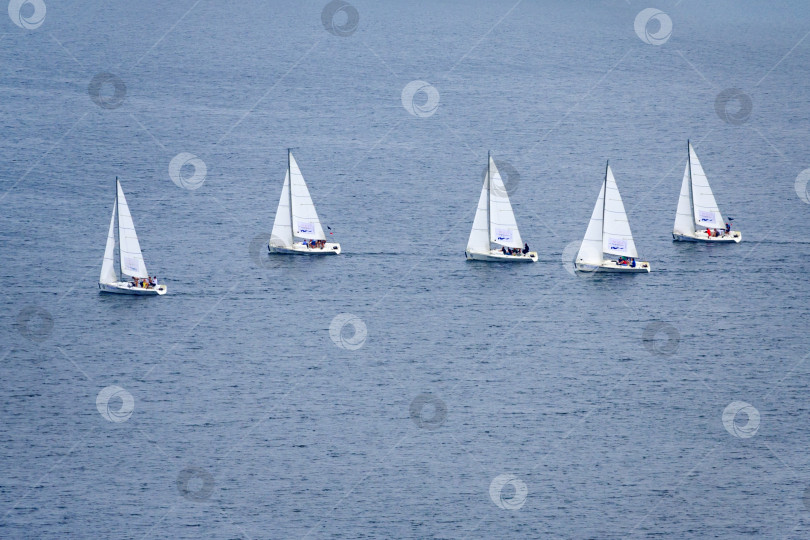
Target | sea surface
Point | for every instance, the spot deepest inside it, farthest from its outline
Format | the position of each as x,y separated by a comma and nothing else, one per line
397,390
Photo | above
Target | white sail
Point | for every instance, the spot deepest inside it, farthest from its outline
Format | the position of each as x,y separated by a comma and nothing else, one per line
503,228
282,235
706,213
616,236
131,258
590,251
108,266
304,217
479,238
684,221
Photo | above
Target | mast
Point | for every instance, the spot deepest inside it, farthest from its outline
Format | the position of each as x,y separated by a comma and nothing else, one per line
489,195
117,236
289,177
604,199
691,196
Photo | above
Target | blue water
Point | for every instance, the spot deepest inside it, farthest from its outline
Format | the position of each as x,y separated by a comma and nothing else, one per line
247,420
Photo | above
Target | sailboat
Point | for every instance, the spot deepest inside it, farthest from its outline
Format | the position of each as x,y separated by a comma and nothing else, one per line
609,235
697,212
495,223
296,229
129,257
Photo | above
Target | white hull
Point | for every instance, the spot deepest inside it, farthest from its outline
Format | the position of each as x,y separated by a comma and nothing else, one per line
701,236
496,255
613,266
330,248
126,287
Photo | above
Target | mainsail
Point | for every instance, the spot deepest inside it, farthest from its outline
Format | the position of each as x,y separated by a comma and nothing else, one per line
616,236
131,258
503,228
706,213
305,222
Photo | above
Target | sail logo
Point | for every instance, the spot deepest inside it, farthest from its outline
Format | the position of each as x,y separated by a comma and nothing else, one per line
503,235
706,217
306,228
617,244
131,264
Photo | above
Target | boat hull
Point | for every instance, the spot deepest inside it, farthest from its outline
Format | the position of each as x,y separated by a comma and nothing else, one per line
126,287
701,236
330,248
614,267
499,256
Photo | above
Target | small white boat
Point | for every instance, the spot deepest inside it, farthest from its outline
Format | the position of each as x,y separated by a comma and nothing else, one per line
495,223
697,212
129,254
609,234
297,226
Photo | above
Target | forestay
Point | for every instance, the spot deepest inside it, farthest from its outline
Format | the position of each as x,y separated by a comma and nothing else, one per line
305,220
131,258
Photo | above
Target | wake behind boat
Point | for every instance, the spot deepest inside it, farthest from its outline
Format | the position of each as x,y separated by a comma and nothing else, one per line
297,229
495,223
698,219
129,255
609,235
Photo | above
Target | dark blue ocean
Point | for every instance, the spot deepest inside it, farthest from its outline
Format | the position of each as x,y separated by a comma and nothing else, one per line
398,391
